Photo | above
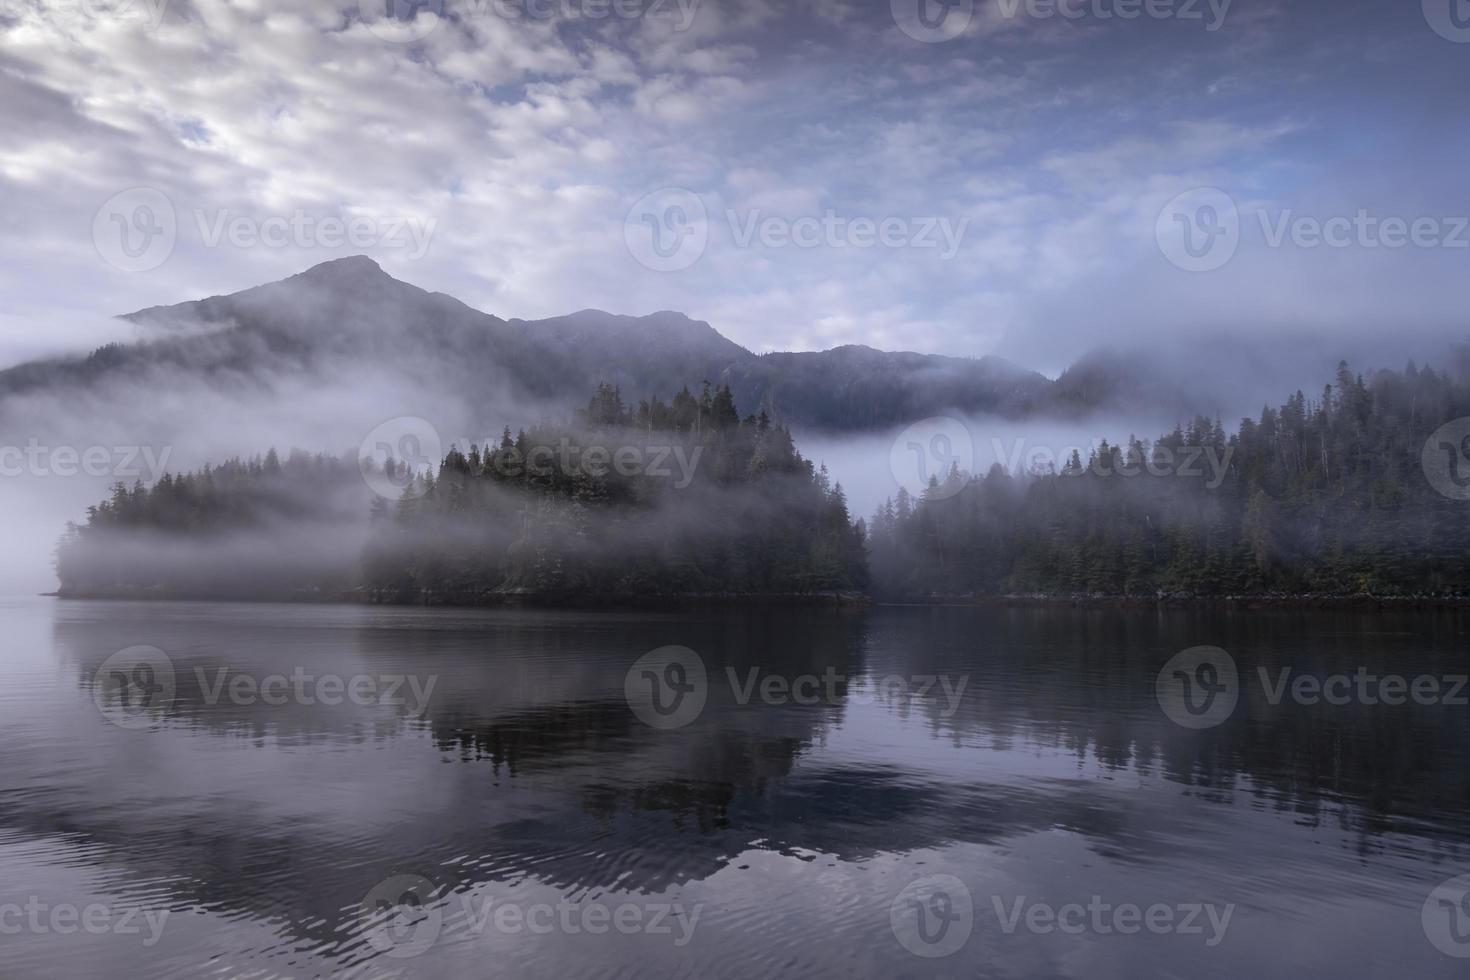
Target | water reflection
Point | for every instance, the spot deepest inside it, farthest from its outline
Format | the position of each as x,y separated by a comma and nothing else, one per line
524,777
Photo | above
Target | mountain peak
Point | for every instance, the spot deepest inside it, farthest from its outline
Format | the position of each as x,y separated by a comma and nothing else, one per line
344,270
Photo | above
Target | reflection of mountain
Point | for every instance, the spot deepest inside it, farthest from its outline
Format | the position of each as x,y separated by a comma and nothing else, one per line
528,764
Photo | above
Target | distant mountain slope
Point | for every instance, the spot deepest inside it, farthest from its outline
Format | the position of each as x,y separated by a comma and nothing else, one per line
342,316
855,387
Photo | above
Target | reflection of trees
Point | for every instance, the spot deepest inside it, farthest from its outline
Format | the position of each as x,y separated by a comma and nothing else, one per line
529,762
1083,681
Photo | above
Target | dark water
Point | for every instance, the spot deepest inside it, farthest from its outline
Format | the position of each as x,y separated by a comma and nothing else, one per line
962,782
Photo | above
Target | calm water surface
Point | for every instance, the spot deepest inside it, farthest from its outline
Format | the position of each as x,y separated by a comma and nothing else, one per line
958,781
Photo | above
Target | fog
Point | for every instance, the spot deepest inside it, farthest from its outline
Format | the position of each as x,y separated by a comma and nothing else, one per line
344,360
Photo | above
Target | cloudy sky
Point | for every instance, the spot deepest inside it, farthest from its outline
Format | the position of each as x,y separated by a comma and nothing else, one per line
1011,176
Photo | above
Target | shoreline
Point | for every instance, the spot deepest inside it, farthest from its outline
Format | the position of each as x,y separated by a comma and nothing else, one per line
838,599
1234,602
490,600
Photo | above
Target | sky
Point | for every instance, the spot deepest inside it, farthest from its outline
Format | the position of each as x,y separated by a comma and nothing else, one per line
1020,177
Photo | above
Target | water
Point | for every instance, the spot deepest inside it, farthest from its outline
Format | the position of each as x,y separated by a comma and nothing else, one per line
512,816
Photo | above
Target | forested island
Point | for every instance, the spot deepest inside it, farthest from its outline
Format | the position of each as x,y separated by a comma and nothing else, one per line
1322,497
672,499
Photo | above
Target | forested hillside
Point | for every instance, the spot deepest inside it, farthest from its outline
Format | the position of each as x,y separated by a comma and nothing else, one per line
1320,495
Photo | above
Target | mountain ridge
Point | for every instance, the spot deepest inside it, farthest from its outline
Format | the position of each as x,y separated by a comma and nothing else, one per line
345,313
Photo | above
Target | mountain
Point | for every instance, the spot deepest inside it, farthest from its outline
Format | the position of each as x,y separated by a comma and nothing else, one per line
348,315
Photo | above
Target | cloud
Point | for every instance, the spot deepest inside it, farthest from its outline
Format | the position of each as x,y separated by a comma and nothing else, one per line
525,140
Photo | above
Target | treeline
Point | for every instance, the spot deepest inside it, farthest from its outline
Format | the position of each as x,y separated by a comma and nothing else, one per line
678,498
244,528
1325,495
675,498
